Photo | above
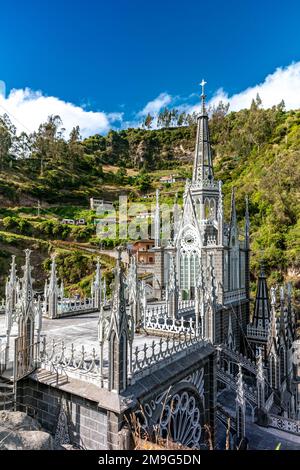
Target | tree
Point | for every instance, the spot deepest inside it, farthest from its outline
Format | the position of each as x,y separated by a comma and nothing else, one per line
7,137
75,148
48,141
148,121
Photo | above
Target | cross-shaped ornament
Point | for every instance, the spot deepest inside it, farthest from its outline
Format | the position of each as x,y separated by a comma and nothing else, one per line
202,84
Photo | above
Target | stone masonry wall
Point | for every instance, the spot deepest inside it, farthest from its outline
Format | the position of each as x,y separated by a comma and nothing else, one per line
86,421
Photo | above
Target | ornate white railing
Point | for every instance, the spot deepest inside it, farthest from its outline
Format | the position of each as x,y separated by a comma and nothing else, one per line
153,354
257,333
84,364
185,305
162,309
156,311
162,323
79,363
74,305
234,296
284,424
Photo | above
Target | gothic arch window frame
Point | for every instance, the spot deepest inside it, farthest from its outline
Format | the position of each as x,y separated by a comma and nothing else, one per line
188,256
209,208
158,416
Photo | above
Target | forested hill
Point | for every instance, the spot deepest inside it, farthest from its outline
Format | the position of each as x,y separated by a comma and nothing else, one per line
257,151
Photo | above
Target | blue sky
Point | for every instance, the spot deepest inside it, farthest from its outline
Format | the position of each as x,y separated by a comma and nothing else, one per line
112,58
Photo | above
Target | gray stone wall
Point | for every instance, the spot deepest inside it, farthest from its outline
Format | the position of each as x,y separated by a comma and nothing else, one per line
86,421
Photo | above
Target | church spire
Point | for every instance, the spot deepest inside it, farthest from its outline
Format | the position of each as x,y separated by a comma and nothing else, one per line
157,220
203,169
52,291
261,315
118,334
97,286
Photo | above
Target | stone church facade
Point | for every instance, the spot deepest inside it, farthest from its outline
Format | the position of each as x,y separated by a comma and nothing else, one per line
89,369
200,233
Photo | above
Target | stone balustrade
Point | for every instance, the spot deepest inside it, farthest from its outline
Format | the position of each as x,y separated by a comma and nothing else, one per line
149,356
257,333
74,305
234,296
163,324
284,424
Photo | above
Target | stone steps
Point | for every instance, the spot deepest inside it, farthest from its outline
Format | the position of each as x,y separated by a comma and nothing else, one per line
7,397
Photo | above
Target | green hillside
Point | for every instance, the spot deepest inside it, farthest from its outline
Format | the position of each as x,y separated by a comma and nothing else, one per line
257,151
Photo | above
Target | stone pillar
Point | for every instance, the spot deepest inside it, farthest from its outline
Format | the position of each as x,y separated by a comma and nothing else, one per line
260,382
159,272
173,289
52,297
240,408
97,288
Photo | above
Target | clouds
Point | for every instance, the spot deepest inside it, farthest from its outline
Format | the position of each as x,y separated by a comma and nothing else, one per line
28,109
2,88
153,107
283,84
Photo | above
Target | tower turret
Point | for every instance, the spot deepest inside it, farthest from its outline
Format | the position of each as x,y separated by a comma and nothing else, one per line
118,335
203,169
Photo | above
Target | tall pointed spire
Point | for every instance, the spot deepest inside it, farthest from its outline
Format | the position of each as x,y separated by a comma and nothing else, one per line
97,287
27,290
203,168
261,315
233,218
157,221
230,335
220,216
52,291
200,302
118,334
11,286
172,289
132,282
27,314
240,407
260,381
274,322
104,290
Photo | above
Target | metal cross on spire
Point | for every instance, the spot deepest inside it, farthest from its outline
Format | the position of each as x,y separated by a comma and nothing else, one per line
202,84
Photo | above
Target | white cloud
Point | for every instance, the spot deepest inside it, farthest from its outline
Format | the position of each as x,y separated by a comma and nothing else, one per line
153,107
2,88
28,109
283,84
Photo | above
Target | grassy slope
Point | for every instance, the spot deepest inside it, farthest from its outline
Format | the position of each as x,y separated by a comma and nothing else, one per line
269,173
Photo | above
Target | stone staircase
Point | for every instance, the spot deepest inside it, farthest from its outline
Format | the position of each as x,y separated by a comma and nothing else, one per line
6,394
